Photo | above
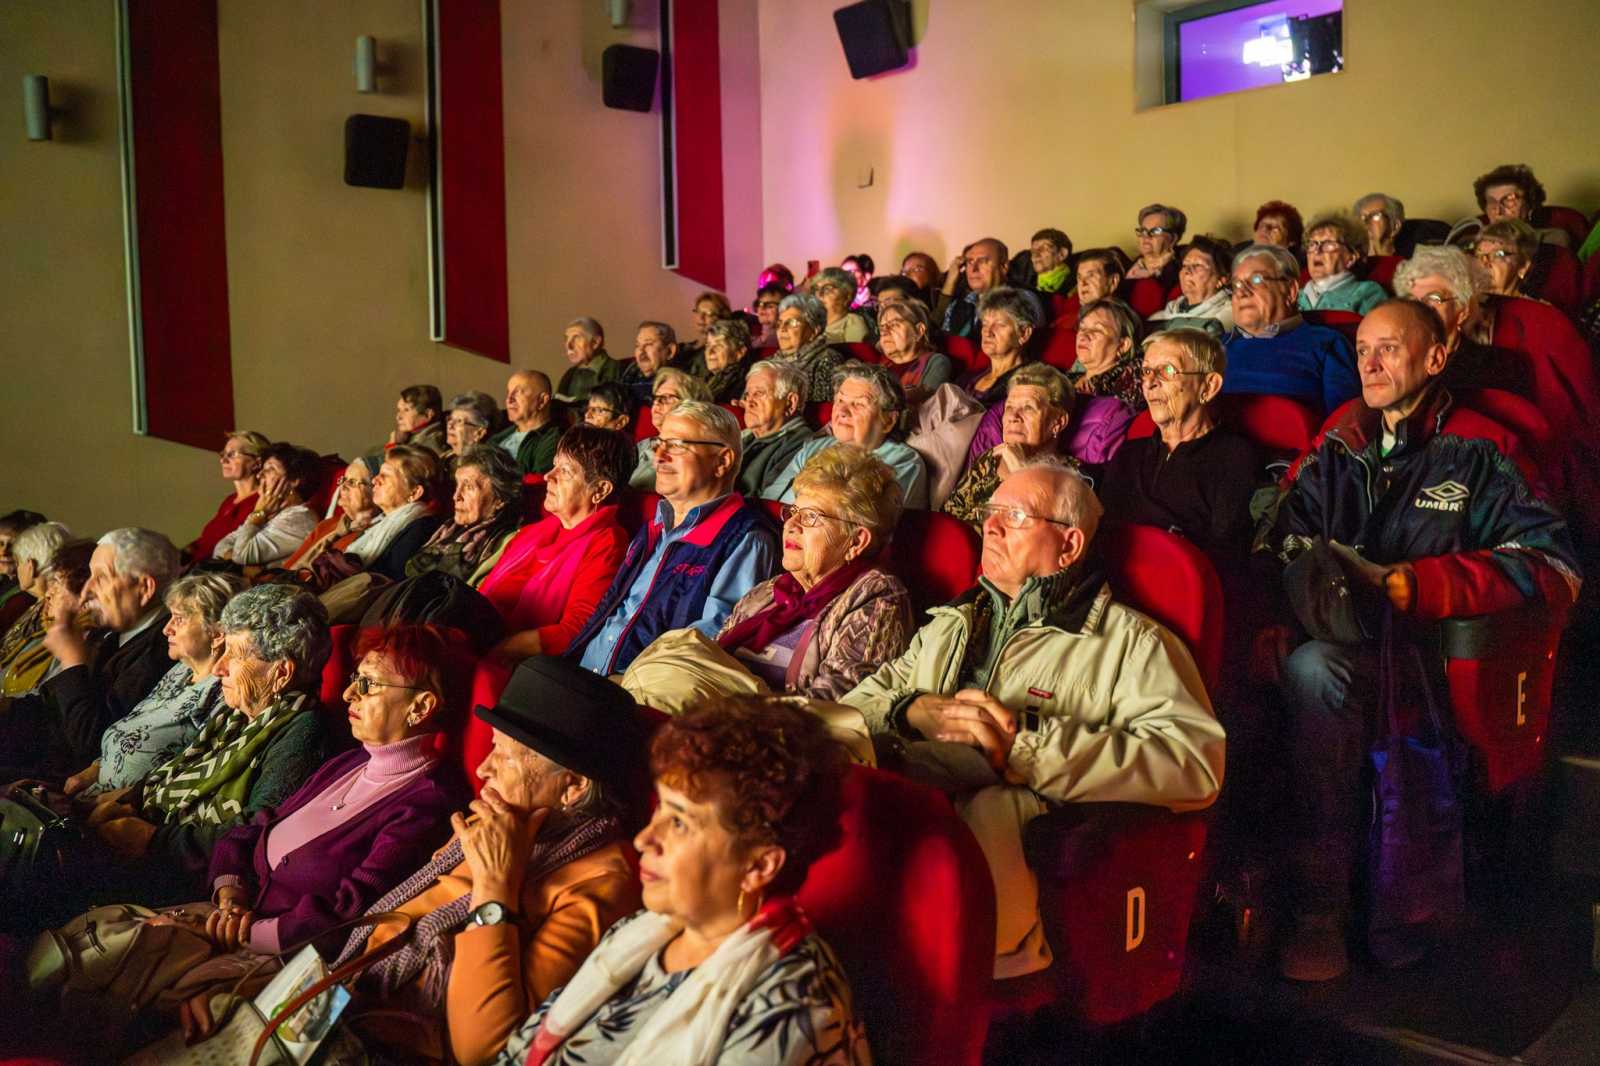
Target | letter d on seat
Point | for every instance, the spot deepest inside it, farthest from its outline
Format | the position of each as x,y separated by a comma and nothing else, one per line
1134,931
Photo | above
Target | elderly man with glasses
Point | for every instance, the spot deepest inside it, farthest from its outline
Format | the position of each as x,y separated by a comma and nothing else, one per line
1272,349
983,264
704,548
1036,688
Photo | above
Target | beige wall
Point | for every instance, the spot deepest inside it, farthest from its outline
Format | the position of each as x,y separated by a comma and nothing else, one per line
327,284
1019,114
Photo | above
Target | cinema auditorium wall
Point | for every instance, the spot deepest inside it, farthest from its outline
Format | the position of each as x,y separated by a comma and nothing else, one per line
1019,114
1016,114
327,285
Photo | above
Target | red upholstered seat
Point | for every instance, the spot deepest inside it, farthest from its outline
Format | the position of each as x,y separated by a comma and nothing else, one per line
1563,278
1529,424
1381,270
533,490
736,411
965,353
1058,306
1591,279
866,353
1118,881
1563,367
1346,322
907,903
331,469
644,424
1277,424
1145,295
1060,347
1566,218
819,414
340,665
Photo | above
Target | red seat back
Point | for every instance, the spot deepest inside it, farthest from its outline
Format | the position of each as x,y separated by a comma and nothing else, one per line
1591,279
1145,295
866,353
1563,279
1527,422
1142,426
1060,347
533,490
907,902
1566,218
1276,423
644,423
1381,269
332,468
1346,322
1563,366
936,555
965,353
819,414
1172,581
736,411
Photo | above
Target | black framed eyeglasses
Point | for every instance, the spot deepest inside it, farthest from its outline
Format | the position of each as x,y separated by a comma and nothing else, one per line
364,685
1150,231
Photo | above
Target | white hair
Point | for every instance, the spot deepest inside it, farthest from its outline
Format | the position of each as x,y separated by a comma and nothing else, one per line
1286,263
1466,277
714,420
39,543
1072,498
143,553
788,379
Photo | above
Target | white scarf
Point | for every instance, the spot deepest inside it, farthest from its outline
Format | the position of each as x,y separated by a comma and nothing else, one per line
1316,289
688,1029
381,533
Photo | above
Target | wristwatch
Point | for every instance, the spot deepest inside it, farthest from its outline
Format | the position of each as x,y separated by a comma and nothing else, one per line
491,913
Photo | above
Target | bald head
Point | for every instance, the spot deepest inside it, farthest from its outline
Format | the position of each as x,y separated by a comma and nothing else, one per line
528,399
1044,519
1400,349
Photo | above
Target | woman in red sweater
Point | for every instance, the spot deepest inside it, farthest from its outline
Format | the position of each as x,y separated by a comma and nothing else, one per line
241,464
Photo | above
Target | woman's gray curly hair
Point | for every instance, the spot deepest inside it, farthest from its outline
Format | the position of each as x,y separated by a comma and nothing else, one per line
284,622
505,476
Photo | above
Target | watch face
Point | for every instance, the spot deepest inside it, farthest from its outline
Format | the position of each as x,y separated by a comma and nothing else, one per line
490,913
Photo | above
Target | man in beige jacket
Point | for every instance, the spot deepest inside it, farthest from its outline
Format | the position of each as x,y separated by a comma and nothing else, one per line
1035,689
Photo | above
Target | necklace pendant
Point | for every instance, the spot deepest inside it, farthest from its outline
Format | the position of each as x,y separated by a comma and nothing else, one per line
337,806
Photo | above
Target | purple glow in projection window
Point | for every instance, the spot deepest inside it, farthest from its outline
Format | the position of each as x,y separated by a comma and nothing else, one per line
1259,44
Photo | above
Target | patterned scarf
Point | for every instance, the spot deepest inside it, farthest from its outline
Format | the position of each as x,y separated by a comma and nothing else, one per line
791,605
457,549
23,655
432,948
211,780
1121,380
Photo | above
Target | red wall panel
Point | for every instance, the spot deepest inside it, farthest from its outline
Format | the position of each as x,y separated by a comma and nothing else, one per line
697,121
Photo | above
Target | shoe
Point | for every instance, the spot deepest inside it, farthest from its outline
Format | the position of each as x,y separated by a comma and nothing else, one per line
1315,950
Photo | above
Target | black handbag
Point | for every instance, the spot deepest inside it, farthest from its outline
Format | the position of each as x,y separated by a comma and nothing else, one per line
36,842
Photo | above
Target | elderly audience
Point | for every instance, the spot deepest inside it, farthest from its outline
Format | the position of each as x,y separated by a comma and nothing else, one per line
1204,301
905,337
1279,224
241,465
1372,500
773,401
1510,192
1333,246
1034,420
1272,349
1194,476
417,419
1036,688
609,407
282,520
531,437
167,720
801,321
1506,249
703,549
923,271
469,420
727,358
553,573
1050,253
355,511
747,797
982,265
655,347
1159,230
837,291
860,268
487,511
1453,285
49,563
765,307
406,489
867,405
99,675
709,308
1381,217
833,615
669,388
1009,319
538,870
588,362
13,598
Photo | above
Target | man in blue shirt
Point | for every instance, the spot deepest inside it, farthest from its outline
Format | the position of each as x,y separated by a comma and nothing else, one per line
1272,349
704,549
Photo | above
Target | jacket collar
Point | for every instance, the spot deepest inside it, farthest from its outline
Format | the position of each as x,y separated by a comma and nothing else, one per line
1073,600
705,522
1361,427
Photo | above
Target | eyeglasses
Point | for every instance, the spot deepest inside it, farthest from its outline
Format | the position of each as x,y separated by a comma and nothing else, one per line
767,305
1150,231
1013,517
664,397
1325,246
1509,200
598,411
675,446
364,685
353,482
809,517
231,454
1439,299
790,323
1254,281
1372,216
1488,257
1166,372
1196,268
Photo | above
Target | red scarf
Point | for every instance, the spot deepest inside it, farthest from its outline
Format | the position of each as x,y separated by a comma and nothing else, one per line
791,605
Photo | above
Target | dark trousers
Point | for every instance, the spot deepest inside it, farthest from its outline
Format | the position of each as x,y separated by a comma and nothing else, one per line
1331,695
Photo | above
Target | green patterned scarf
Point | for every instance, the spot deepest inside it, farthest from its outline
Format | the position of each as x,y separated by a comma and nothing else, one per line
211,780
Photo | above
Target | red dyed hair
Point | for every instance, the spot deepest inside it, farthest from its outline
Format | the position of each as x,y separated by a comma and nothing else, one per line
432,657
770,769
1285,211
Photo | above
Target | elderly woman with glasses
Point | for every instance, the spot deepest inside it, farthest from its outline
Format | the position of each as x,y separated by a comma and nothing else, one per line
833,616
1511,192
670,387
1506,249
721,966
354,513
241,465
727,358
281,519
1203,301
1034,420
1194,476
1159,230
867,405
709,308
801,322
905,337
1381,216
23,656
1454,286
1333,248
836,289
469,419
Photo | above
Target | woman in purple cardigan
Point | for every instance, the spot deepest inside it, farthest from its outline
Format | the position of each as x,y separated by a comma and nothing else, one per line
361,823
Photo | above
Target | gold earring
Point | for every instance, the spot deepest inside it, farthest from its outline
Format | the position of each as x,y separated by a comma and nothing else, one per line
741,904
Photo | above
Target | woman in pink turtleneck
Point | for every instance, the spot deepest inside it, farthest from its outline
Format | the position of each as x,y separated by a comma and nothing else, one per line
362,822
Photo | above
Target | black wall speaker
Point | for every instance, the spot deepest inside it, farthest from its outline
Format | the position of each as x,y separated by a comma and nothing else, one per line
629,76
375,151
876,35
